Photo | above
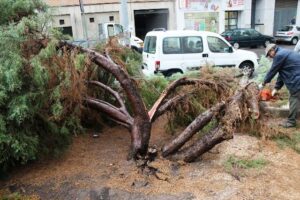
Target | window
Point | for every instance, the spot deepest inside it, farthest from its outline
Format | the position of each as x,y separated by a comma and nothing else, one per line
217,45
92,19
231,20
111,18
192,44
61,22
245,33
118,29
150,44
254,33
67,30
286,28
110,30
171,45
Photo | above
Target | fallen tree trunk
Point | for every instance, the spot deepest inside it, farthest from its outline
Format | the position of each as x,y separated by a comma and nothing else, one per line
202,120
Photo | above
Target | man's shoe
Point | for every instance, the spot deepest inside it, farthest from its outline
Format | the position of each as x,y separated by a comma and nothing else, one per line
287,125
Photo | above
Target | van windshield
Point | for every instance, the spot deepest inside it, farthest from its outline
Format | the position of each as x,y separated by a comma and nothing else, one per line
150,44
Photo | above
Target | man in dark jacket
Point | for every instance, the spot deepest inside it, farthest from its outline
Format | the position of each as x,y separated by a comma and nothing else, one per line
287,64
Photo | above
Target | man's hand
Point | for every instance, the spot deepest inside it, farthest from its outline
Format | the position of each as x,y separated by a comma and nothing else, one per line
261,86
274,92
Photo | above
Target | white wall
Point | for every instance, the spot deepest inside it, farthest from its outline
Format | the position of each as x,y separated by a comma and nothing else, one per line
298,13
265,10
101,13
244,20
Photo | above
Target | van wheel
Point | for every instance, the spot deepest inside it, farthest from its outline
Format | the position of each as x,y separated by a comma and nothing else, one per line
294,41
247,68
170,72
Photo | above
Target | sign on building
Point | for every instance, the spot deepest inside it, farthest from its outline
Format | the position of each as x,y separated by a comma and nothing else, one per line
235,4
200,5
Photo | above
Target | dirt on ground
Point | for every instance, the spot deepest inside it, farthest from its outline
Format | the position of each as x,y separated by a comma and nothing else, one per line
97,168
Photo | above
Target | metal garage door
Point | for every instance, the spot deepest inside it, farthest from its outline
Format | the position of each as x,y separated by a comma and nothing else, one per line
285,10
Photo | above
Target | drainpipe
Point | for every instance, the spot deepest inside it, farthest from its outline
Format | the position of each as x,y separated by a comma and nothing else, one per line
84,25
124,14
253,12
124,21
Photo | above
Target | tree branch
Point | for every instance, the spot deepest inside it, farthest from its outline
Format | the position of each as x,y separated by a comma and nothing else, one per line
112,111
168,105
114,93
172,87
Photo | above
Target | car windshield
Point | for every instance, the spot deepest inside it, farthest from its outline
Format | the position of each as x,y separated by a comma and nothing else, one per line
227,33
286,28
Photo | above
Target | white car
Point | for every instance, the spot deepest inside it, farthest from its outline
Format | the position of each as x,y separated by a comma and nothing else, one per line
289,33
171,52
136,44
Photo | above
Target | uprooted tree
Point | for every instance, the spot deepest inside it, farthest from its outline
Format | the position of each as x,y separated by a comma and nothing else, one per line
231,112
48,85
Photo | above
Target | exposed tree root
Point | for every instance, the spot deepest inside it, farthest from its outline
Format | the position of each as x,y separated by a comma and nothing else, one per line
235,112
202,120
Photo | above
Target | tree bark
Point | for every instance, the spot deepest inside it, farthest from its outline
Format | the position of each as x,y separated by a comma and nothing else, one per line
202,120
141,126
234,114
252,94
206,143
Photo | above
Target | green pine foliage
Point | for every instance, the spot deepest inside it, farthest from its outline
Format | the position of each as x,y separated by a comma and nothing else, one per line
14,10
34,118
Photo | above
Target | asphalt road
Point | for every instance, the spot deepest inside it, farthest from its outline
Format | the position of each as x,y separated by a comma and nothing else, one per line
261,50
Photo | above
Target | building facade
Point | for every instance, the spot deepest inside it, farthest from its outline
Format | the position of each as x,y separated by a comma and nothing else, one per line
213,15
82,20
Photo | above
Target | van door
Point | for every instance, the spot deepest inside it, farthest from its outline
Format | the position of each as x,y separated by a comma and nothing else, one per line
193,56
220,53
171,56
149,55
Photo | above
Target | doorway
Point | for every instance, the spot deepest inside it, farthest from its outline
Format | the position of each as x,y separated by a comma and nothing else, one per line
147,20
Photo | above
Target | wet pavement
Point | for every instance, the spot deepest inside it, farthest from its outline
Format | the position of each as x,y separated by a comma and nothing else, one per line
261,50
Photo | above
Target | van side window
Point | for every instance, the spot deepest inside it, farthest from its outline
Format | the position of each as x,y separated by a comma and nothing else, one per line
150,44
192,44
217,45
171,45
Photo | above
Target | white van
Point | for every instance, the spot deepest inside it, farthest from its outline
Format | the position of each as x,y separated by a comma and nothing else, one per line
171,52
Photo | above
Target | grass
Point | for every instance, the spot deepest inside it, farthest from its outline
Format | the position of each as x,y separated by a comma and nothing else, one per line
292,142
234,162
